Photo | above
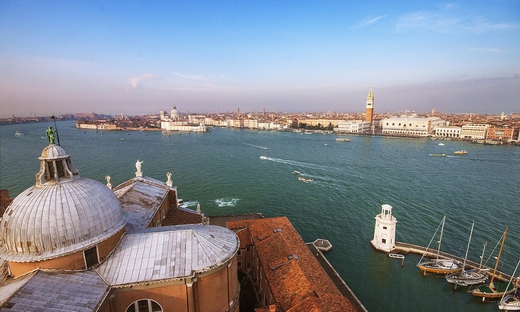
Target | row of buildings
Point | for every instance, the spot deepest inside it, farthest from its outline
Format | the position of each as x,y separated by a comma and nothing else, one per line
69,243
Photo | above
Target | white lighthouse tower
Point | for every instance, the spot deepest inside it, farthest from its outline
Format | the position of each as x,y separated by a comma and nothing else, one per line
384,232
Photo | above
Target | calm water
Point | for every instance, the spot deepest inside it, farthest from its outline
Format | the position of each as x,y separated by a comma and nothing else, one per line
222,171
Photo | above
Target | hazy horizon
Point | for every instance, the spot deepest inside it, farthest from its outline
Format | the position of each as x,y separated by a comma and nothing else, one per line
203,56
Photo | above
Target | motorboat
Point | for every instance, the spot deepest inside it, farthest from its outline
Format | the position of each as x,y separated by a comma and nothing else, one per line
461,152
297,172
263,157
307,180
342,140
441,144
438,155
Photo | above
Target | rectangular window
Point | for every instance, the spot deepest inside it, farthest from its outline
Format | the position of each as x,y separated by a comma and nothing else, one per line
384,227
383,240
239,253
248,248
91,257
239,264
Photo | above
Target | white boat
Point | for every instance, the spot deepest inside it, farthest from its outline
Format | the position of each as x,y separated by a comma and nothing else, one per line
342,140
441,144
263,157
511,301
438,265
396,256
461,152
18,133
297,172
307,180
468,277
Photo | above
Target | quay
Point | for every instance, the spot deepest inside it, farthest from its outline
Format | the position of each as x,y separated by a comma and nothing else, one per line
405,248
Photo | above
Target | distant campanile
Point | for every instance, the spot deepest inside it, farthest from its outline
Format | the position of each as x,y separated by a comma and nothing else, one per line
370,107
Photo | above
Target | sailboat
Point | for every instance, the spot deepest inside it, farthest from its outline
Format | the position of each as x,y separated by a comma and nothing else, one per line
492,291
438,265
511,301
468,277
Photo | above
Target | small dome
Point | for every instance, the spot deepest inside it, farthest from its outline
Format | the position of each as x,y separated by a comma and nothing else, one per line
49,222
53,151
174,114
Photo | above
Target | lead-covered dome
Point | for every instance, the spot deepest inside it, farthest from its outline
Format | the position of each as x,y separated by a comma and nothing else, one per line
60,215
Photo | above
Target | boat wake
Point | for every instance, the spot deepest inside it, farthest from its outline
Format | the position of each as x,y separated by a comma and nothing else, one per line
300,164
226,202
192,203
257,146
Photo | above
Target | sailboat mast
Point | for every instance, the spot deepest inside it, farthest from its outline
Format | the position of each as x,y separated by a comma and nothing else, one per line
482,257
440,237
467,248
498,258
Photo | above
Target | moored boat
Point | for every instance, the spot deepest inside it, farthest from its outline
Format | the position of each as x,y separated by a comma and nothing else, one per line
342,140
438,265
511,301
492,290
469,277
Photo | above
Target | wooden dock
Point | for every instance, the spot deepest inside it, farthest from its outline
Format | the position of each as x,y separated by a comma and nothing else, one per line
405,248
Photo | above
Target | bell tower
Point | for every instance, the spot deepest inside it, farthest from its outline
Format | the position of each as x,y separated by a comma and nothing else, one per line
384,232
369,116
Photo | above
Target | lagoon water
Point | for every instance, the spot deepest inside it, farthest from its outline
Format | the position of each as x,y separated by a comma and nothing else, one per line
222,171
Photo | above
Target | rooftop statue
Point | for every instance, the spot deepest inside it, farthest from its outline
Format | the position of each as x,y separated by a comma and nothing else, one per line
139,173
51,135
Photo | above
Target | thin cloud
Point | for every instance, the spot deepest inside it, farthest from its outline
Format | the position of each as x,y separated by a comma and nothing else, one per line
203,78
136,81
368,22
444,21
489,50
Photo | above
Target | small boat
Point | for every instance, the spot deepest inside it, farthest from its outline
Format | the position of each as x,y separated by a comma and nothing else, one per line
511,301
438,155
461,152
122,139
396,256
325,144
306,180
342,140
438,265
263,157
18,133
468,277
492,291
296,172
441,144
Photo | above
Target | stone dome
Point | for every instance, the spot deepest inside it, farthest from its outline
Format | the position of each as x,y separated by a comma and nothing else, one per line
62,214
174,114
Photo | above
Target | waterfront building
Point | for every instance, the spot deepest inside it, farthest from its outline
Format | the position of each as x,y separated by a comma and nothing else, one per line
353,126
384,232
173,123
447,131
284,272
369,115
505,134
474,131
70,243
411,125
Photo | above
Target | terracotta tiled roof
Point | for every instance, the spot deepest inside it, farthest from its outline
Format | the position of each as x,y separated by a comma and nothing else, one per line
240,228
296,279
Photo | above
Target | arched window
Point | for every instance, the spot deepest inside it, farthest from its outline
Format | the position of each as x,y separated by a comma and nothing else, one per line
144,305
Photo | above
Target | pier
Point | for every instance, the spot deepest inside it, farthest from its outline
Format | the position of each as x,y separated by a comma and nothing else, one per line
405,248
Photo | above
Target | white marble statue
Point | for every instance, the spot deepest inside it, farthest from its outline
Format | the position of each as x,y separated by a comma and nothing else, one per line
109,185
139,173
169,182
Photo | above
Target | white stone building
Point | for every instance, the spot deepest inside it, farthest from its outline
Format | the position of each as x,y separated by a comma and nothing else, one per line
447,131
474,131
353,126
411,125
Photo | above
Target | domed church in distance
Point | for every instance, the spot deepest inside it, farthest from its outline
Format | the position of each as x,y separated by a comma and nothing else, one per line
70,243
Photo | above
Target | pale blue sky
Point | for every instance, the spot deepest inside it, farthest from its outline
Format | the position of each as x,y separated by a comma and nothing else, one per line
214,56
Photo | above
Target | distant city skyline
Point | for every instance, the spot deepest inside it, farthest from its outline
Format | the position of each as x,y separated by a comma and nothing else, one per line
142,57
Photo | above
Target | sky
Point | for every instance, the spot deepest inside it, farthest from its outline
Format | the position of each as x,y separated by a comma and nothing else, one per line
140,57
